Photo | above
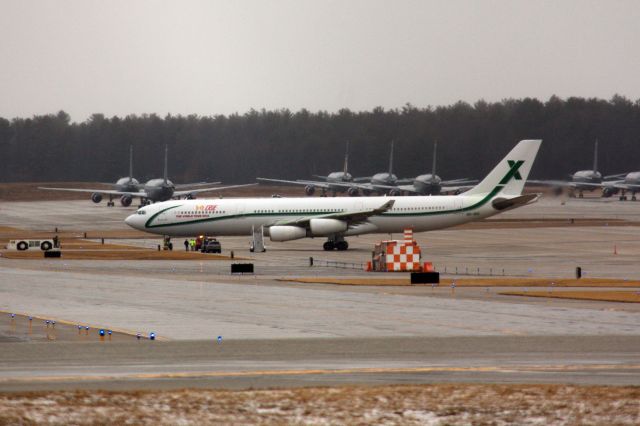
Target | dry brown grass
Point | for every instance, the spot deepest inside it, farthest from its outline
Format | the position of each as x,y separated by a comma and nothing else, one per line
393,405
603,296
120,254
475,282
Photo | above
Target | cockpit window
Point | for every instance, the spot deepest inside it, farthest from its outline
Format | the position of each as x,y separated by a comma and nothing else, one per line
142,212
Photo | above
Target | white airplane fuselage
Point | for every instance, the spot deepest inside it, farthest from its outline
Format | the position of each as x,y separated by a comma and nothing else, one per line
227,217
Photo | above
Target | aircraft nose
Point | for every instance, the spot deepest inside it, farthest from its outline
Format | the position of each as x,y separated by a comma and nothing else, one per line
132,221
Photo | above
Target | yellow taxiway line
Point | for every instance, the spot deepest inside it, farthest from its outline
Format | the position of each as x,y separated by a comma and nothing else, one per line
310,372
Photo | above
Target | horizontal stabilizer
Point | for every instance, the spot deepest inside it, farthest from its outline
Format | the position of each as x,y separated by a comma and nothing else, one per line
503,204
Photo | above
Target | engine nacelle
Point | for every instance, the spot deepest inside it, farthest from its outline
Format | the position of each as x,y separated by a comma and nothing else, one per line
321,227
395,192
309,190
353,192
96,197
609,191
126,200
286,233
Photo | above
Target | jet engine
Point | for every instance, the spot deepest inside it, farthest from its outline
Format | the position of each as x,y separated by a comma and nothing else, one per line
320,227
353,192
125,200
609,191
395,192
309,190
96,197
190,197
286,233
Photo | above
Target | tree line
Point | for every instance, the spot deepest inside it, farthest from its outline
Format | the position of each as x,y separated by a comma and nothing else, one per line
285,144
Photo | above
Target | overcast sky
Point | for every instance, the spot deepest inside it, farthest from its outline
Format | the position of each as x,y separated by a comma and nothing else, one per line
119,57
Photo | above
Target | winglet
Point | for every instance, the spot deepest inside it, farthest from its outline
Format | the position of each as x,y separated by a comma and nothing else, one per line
385,207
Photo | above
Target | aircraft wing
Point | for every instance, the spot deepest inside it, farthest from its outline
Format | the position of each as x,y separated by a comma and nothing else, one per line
352,218
214,188
459,188
618,176
195,185
444,188
296,182
462,181
625,186
100,191
566,184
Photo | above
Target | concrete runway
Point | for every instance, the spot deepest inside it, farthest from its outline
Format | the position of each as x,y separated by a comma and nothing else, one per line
403,334
319,362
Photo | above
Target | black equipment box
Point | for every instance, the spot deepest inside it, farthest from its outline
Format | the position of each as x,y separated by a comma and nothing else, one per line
242,268
425,278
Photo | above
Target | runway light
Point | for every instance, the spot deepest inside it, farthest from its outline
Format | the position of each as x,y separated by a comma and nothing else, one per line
109,332
13,316
53,323
152,336
219,339
79,327
101,332
86,328
138,336
30,318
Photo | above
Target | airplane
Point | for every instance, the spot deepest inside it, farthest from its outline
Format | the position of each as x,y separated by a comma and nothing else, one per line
154,190
329,183
432,184
381,183
582,180
286,219
630,183
122,185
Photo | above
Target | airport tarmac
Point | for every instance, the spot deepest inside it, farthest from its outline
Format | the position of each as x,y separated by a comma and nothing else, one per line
193,302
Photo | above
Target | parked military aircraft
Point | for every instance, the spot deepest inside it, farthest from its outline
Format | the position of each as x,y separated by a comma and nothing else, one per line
332,182
286,219
432,184
153,190
630,183
583,180
383,183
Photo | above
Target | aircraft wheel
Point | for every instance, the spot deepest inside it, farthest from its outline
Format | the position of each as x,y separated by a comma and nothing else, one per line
342,245
328,246
581,195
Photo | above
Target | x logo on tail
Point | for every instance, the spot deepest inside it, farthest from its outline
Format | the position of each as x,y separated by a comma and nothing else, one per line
513,171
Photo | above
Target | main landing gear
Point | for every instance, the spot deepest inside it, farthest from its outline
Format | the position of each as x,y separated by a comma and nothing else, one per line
337,243
623,196
110,203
